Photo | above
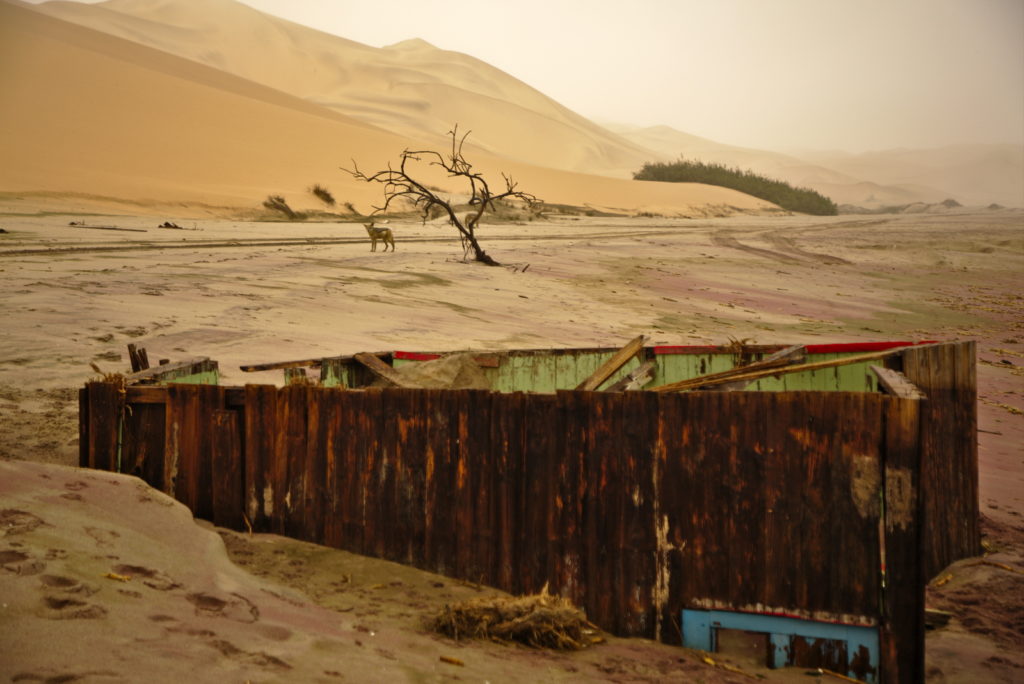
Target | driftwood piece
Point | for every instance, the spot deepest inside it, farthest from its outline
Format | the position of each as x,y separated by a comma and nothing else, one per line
749,375
383,370
636,379
896,383
128,230
149,373
617,361
735,378
133,358
300,363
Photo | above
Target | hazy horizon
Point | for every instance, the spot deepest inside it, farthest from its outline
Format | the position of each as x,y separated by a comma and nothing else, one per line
787,75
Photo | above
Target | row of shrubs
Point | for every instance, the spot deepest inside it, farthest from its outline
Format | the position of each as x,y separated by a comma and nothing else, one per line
278,203
783,194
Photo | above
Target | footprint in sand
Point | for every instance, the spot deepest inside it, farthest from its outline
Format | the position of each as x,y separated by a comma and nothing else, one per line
234,607
67,585
102,537
154,579
68,608
63,599
20,563
13,521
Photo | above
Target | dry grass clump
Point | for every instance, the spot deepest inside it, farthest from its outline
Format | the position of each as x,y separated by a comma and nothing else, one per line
323,194
279,204
537,621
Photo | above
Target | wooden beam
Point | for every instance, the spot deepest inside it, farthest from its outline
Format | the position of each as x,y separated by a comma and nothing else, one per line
133,358
302,363
896,383
617,361
639,377
736,378
129,230
151,373
750,376
383,370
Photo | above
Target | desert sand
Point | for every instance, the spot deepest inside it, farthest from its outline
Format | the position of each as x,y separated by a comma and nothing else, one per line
120,116
245,292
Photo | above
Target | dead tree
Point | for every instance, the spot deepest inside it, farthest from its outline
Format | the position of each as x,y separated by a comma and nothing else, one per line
400,185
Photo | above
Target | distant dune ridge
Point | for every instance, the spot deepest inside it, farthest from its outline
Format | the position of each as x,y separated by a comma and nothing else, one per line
216,102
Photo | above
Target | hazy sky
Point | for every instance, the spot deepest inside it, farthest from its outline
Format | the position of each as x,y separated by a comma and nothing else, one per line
855,75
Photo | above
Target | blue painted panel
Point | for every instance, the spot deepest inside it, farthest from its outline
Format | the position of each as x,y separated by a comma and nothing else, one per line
699,628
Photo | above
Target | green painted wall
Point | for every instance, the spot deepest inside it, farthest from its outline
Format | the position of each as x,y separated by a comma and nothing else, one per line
547,371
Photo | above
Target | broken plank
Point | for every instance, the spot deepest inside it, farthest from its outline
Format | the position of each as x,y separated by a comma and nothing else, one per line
746,373
617,361
896,383
301,363
735,378
133,358
130,230
151,373
636,379
383,370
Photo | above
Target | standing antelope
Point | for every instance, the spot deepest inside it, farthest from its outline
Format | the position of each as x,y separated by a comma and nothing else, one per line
383,234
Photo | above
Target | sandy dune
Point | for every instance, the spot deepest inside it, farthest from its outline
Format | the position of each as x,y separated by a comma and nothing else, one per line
103,116
417,91
411,88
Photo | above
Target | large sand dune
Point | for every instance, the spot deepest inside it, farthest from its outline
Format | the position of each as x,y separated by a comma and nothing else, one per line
411,88
92,113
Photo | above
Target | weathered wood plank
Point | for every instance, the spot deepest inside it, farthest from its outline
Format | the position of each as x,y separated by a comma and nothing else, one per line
480,464
149,374
634,380
383,370
83,427
315,464
748,375
902,644
105,409
300,363
142,448
227,461
617,361
260,426
896,384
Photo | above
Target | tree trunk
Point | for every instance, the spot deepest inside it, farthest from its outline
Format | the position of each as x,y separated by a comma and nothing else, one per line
478,253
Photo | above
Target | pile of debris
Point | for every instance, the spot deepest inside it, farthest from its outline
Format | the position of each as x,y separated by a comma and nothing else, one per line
537,621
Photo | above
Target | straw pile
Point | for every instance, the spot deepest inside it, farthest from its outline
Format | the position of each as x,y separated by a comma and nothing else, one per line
537,621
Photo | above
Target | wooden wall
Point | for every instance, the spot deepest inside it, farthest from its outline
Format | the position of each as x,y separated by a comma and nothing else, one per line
634,505
946,374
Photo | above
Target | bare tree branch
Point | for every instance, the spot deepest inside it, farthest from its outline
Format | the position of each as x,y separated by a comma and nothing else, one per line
399,184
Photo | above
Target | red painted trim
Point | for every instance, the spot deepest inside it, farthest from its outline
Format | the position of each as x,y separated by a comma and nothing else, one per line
847,347
415,356
842,347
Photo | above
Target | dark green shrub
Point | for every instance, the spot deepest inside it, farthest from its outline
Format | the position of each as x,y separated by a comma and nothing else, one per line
778,192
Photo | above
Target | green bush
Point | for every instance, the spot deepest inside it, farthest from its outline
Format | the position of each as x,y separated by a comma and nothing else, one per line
783,194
